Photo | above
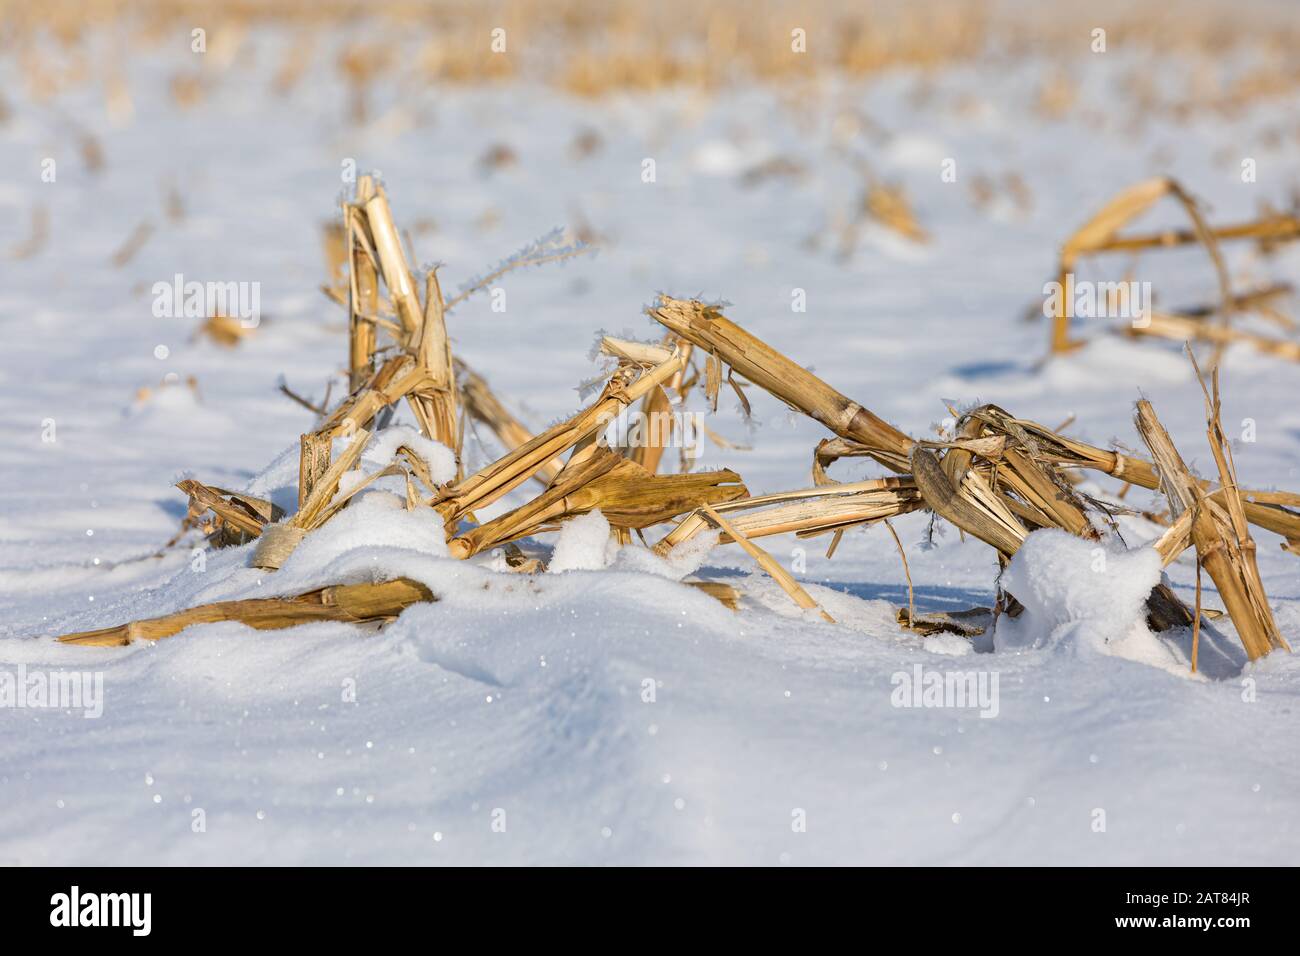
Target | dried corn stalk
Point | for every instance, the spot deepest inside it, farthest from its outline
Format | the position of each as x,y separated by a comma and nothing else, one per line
434,401
278,541
225,330
968,623
770,565
314,452
974,500
363,286
970,504
132,244
807,512
238,518
724,594
1223,543
1004,497
392,264
334,243
396,378
626,494
1266,509
656,410
625,386
350,603
1100,235
887,204
40,235
831,450
884,203
1182,328
705,327
1095,236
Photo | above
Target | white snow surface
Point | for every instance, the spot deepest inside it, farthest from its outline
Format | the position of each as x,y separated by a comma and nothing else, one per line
609,713
584,544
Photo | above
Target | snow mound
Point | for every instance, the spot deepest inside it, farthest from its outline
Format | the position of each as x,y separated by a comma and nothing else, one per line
584,544
1088,596
382,450
374,520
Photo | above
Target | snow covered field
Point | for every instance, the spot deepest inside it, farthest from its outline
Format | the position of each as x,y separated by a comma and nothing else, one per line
510,721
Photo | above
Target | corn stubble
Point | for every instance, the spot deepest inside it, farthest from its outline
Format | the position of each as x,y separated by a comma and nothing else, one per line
1211,324
996,477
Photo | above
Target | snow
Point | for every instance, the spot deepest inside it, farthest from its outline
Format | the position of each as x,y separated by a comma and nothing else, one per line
527,694
381,451
375,521
583,545
1084,596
